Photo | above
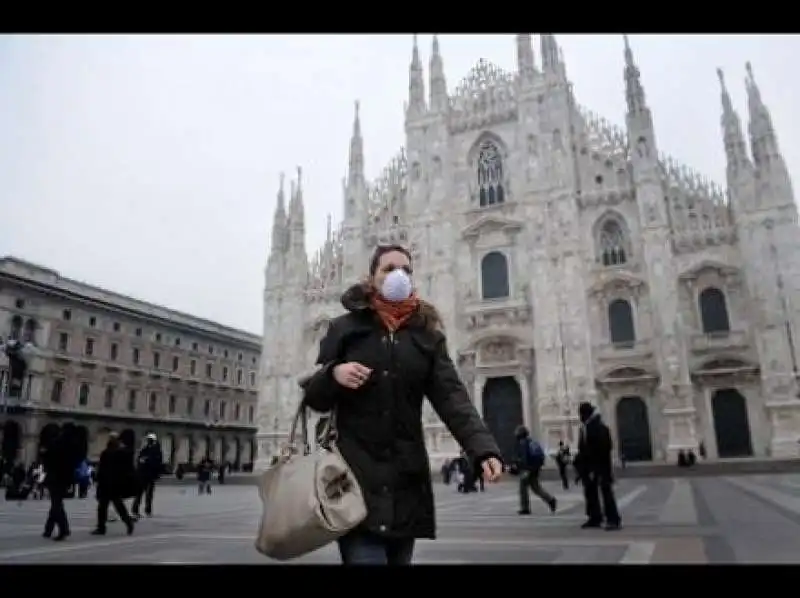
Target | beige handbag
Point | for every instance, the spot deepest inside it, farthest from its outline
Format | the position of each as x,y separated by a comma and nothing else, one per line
309,499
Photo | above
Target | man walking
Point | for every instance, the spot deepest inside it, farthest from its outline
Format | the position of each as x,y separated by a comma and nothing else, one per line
593,464
148,468
530,459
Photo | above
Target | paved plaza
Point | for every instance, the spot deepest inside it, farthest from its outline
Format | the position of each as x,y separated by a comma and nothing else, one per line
747,519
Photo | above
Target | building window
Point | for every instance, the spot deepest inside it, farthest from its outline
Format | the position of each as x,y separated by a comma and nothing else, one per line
175,363
158,337
89,348
239,357
251,412
57,390
92,321
210,349
194,346
222,408
108,401
193,367
156,360
252,378
177,342
253,360
225,354
207,408
209,370
189,405
83,394
135,356
19,303
132,399
714,311
152,404
613,244
173,403
66,315
117,327
138,332
237,411
63,342
238,377
494,276
620,322
224,374
16,327
490,175
113,351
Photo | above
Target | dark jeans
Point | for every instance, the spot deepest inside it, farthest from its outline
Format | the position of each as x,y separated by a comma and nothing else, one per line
57,516
562,472
529,481
102,511
595,488
362,548
147,489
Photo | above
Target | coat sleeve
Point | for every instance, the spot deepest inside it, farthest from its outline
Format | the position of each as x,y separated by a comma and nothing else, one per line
451,401
320,390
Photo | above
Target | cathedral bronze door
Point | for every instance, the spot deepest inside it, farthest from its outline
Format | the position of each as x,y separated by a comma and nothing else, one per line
633,430
502,412
731,425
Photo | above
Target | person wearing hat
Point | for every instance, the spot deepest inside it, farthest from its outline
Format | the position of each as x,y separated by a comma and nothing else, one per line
148,467
594,466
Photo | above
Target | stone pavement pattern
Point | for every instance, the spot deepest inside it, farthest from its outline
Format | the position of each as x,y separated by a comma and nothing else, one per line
748,519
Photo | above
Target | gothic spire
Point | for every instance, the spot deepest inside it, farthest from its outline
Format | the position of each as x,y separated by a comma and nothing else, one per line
764,144
634,91
416,85
438,83
279,221
735,148
762,134
549,51
525,64
355,173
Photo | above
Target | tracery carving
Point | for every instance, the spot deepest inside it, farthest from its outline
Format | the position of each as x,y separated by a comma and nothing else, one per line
491,178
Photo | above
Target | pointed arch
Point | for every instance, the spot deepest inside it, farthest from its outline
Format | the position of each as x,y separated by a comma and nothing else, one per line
612,239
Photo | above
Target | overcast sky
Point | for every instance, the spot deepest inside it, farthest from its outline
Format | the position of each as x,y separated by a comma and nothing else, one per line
149,165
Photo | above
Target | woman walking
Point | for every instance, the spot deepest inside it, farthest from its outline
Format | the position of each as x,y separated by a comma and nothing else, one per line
377,362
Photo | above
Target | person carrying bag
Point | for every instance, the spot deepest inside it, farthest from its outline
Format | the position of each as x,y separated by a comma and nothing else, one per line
310,499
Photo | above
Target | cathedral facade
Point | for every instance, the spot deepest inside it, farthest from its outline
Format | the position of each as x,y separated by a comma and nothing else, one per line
571,261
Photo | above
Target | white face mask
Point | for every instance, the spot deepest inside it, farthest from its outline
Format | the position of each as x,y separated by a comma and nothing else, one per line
396,286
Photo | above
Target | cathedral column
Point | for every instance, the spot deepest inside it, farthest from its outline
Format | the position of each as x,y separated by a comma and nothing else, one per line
524,387
477,392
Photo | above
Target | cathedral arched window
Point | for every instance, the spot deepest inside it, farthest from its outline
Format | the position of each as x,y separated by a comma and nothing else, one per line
714,311
620,322
494,276
613,243
491,188
16,327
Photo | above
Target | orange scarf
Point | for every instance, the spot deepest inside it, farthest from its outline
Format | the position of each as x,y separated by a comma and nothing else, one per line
394,314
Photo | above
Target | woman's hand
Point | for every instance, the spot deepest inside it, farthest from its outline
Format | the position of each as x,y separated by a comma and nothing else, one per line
351,375
492,469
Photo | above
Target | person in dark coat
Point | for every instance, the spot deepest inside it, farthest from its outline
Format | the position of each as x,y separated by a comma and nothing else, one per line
594,466
148,469
562,462
59,458
377,362
529,465
116,480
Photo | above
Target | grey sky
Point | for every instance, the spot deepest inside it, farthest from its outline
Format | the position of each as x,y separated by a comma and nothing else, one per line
149,164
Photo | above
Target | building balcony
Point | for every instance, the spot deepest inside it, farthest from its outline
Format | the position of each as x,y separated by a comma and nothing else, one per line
624,352
718,341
